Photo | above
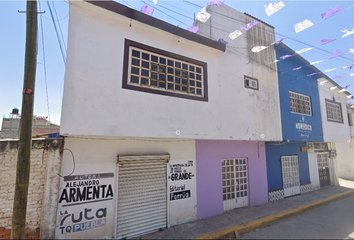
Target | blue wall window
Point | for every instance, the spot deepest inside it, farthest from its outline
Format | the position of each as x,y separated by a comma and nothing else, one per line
299,99
300,103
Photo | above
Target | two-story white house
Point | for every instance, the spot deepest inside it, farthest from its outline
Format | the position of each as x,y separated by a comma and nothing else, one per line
323,155
345,150
162,126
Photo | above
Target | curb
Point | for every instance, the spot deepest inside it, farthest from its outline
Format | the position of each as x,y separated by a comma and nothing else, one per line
263,221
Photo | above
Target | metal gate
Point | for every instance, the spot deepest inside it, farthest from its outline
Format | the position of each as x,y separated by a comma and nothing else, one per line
323,169
235,183
142,194
290,171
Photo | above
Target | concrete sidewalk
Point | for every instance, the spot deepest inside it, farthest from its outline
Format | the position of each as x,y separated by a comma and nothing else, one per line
250,218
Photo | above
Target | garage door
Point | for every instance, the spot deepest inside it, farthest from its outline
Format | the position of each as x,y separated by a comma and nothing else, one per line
142,194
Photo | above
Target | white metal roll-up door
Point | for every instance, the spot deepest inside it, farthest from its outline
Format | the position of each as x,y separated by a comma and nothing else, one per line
142,194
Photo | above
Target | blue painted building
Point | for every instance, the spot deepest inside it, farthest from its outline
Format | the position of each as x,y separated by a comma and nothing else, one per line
287,162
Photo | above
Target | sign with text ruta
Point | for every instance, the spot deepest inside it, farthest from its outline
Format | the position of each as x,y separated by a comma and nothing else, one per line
86,202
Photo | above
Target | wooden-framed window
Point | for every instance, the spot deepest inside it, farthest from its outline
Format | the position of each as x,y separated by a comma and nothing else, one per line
251,83
334,111
157,71
300,103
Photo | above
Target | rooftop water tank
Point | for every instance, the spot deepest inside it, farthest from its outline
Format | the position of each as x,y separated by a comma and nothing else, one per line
15,111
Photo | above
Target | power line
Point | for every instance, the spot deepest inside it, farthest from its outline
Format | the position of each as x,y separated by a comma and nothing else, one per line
231,18
59,19
175,7
57,34
225,16
176,12
129,4
166,14
61,33
44,62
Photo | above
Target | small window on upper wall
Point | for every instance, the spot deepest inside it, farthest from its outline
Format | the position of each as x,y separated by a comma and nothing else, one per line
334,111
300,103
251,83
153,70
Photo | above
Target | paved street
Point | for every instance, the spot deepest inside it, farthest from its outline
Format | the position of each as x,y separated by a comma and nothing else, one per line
335,210
335,220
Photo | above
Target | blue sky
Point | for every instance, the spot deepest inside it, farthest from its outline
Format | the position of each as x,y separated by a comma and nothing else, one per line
180,13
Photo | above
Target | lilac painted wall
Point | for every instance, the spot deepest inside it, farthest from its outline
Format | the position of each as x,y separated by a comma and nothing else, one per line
209,183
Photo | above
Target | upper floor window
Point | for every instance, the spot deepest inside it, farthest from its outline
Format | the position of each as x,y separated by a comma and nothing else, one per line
334,111
156,71
251,83
300,103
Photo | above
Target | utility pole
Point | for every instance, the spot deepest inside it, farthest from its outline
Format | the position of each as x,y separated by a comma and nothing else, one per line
25,142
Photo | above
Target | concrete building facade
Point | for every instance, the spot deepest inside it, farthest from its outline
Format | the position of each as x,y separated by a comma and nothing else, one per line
345,150
312,122
11,127
172,96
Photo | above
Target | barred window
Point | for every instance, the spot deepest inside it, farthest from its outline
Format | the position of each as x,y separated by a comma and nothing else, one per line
300,103
334,111
322,160
157,71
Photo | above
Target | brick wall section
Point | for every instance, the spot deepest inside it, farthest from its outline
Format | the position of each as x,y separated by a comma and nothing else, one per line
38,173
29,233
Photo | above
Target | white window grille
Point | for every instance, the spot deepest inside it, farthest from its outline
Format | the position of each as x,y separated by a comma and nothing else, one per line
334,111
152,70
322,160
300,103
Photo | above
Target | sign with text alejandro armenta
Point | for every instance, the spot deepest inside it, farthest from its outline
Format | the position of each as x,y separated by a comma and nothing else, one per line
86,203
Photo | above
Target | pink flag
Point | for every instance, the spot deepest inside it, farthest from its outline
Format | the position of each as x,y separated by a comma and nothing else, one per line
324,41
249,25
286,56
193,29
349,66
346,86
217,3
309,75
278,41
332,11
147,10
336,54
222,41
337,77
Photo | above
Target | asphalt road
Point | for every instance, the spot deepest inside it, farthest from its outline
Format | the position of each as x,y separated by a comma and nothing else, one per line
334,220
